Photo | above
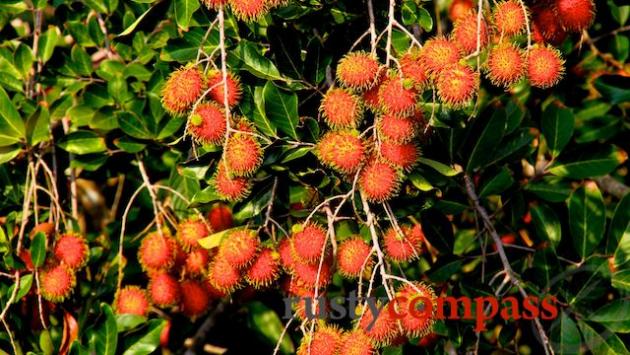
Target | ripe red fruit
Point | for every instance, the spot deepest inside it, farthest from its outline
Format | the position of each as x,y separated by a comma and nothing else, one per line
399,129
194,300
545,67
379,181
285,249
72,250
308,242
157,252
207,123
383,330
403,155
465,33
358,70
576,15
353,256
131,300
190,231
243,154
418,319
459,8
183,87
164,289
56,282
326,340
412,68
229,187
249,10
223,275
397,97
370,96
509,18
506,65
342,150
307,273
439,53
196,262
457,85
405,247
239,247
215,83
428,340
220,217
264,270
340,108
356,342
546,27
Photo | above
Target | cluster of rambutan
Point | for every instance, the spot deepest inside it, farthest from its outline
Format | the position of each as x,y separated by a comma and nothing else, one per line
552,20
209,123
248,10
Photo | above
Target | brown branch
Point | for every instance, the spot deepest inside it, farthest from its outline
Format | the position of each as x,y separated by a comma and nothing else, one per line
612,186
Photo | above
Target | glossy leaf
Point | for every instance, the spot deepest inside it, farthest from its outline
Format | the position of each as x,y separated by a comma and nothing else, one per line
587,218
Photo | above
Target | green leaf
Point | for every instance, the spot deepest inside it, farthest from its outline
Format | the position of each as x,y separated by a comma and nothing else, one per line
550,189
125,322
425,20
499,183
485,148
26,282
184,10
254,62
587,218
83,142
420,182
9,153
47,43
150,341
282,109
601,342
614,88
441,168
557,127
591,164
38,249
134,125
565,336
621,280
12,129
619,224
135,24
268,324
622,252
81,61
259,116
213,241
106,335
547,223
614,316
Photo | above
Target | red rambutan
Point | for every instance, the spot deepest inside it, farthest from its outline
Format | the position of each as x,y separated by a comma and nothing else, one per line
465,33
183,87
457,85
72,250
379,181
229,187
56,282
243,154
196,262
239,247
509,18
131,300
353,256
397,97
358,70
439,53
207,123
340,108
459,8
506,65
223,275
405,247
190,231
419,303
164,289
382,330
157,251
308,242
370,96
411,68
403,155
194,298
249,10
220,217
399,129
287,259
326,340
264,270
576,15
215,82
546,27
308,272
545,67
356,342
342,150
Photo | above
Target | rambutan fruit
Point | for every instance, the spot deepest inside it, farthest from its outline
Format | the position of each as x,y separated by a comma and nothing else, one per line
545,66
224,275
576,15
420,303
207,123
287,259
358,70
439,53
196,262
229,187
428,340
308,272
308,242
397,97
398,129
403,155
296,287
509,18
342,150
353,257
379,180
72,250
164,289
457,85
243,154
405,247
546,26
190,231
194,298
370,96
157,251
356,342
309,308
214,292
220,217
265,269
216,86
249,10
459,8
131,300
382,330
183,87
326,340
214,4
340,108
56,282
239,247
506,65
465,33
411,68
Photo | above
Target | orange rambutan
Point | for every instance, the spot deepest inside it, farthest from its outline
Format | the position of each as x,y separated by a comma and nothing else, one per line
56,282
370,96
287,259
397,96
216,86
194,298
509,18
207,123
419,302
411,68
239,247
308,242
311,275
340,108
356,342
157,251
404,155
220,217
546,26
131,300
382,330
545,66
243,154
399,129
439,53
326,340
190,231
342,150
183,87
229,187
576,15
223,275
506,65
358,70
466,30
405,247
265,268
72,250
196,261
353,257
164,289
379,180
459,8
249,10
457,85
